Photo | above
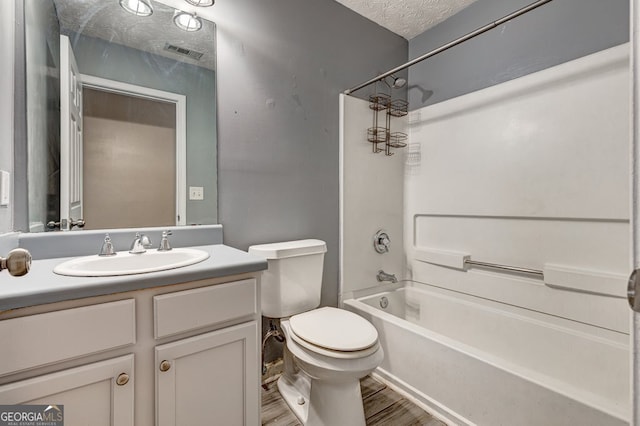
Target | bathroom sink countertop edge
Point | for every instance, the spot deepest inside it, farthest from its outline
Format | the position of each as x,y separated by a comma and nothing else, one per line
41,285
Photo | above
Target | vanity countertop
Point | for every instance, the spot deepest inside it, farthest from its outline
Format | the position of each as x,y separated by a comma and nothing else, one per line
41,285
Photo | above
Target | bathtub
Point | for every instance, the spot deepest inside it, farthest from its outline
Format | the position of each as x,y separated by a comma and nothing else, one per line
474,361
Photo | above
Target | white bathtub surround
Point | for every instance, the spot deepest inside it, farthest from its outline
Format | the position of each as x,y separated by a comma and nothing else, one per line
532,173
371,199
474,361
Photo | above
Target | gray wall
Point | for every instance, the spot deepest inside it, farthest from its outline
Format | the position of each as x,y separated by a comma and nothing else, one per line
552,34
281,65
6,103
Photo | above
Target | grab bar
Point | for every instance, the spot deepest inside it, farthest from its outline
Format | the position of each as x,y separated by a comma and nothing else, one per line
504,267
554,276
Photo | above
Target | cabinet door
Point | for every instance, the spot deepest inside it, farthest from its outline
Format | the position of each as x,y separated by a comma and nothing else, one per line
212,378
94,394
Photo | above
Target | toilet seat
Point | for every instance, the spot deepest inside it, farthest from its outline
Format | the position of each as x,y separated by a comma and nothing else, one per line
335,333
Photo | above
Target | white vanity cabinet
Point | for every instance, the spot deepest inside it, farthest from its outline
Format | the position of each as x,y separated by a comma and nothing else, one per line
93,393
197,379
185,354
209,378
99,393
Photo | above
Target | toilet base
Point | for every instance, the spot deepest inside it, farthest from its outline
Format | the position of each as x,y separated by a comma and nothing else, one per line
294,393
328,389
323,403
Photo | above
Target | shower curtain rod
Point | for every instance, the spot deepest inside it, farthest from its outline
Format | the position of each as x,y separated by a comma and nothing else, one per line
455,42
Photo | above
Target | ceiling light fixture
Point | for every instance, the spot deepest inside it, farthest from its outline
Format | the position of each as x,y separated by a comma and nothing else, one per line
187,21
137,7
201,3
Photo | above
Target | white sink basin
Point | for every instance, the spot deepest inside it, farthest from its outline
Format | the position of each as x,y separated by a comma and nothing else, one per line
125,263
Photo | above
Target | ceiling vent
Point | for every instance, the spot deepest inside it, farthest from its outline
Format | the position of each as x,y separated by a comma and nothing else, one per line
182,51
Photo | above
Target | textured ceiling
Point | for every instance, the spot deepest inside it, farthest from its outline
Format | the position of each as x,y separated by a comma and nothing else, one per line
108,21
407,18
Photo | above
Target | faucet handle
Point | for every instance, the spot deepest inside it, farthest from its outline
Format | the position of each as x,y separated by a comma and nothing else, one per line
164,242
107,247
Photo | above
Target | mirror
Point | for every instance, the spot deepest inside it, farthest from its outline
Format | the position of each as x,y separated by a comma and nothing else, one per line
141,150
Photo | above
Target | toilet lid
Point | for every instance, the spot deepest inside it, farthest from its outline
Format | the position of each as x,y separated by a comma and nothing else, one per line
334,329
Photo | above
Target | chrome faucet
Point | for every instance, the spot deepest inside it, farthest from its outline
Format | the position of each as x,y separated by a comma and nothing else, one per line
140,244
383,276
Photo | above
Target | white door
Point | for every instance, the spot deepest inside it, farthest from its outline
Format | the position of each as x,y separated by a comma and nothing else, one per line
100,393
70,137
212,378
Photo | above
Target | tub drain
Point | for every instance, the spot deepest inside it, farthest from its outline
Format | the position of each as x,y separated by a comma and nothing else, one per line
384,302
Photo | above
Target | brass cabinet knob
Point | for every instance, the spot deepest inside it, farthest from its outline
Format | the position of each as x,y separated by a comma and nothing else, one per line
122,379
165,365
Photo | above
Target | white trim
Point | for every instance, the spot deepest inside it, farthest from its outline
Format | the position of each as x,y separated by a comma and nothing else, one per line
634,198
341,295
181,129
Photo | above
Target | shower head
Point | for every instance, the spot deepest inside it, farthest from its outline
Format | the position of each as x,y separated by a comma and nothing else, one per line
397,83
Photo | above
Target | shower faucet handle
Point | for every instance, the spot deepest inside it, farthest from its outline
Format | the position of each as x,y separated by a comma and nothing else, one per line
381,241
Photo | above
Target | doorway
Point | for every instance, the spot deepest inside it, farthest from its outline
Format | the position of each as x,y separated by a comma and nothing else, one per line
133,158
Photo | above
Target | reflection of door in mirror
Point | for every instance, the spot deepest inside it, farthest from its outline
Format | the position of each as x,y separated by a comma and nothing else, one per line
131,157
70,137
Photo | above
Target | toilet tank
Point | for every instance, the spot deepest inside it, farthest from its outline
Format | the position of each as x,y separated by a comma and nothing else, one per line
293,282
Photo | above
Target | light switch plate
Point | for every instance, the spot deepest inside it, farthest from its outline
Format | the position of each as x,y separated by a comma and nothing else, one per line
196,193
5,188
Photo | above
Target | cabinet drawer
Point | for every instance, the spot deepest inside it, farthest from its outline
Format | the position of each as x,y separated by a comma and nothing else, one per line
37,340
203,307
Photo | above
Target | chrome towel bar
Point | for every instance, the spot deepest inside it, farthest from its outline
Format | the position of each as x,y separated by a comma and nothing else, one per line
504,267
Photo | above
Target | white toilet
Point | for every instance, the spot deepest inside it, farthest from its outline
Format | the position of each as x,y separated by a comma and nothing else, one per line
328,350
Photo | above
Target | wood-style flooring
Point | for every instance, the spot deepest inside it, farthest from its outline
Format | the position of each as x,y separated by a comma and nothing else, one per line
382,406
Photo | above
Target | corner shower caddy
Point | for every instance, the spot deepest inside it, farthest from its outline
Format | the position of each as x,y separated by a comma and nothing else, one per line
379,102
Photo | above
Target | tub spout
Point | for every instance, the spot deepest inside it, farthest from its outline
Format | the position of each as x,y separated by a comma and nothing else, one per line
383,276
